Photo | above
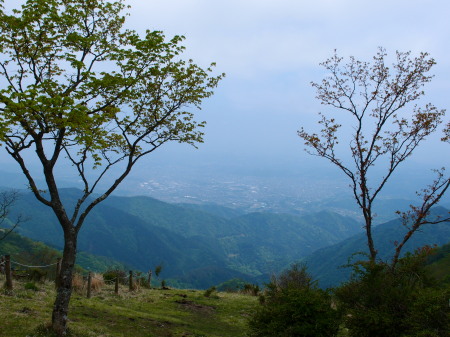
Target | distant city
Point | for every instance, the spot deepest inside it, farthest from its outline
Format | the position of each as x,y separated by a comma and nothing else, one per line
271,194
255,187
279,191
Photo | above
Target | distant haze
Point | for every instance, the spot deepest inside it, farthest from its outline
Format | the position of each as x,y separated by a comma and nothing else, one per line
270,51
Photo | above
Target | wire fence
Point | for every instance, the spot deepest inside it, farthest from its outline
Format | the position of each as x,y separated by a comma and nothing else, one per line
14,269
89,279
27,266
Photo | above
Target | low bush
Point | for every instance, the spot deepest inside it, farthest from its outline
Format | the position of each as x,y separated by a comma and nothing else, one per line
251,289
37,275
293,306
403,301
110,276
208,292
31,286
232,286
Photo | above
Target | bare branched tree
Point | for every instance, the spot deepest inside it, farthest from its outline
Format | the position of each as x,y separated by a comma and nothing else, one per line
417,216
446,137
7,201
387,125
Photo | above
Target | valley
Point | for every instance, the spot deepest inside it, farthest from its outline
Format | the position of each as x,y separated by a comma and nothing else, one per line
201,245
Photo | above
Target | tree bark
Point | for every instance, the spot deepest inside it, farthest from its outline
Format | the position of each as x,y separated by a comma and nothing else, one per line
64,290
370,244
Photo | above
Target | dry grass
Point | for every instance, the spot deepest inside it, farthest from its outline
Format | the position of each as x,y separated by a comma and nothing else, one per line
79,283
97,282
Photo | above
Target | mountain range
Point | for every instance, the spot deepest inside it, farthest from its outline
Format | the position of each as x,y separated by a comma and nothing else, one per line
197,247
204,245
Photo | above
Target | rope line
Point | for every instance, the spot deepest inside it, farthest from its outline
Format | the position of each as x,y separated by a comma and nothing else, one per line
24,265
3,263
110,280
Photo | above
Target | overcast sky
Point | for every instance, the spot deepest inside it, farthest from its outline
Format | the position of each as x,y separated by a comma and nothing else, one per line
270,51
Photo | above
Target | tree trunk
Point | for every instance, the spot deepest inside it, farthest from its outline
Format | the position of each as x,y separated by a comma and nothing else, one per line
367,212
373,252
64,290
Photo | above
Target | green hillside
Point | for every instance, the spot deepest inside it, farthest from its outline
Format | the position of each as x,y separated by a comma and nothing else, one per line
268,242
126,238
26,251
214,209
326,263
180,220
254,244
196,248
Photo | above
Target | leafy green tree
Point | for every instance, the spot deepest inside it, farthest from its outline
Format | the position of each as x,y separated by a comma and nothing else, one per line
77,87
378,108
294,306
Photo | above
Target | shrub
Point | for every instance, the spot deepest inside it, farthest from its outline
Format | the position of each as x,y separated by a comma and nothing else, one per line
110,276
294,306
31,286
251,289
208,292
403,301
232,286
37,275
294,277
142,280
164,285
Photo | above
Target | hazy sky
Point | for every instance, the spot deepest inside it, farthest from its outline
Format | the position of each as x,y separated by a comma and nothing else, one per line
270,51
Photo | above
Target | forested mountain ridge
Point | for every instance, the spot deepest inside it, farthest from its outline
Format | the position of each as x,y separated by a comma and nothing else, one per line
199,248
196,248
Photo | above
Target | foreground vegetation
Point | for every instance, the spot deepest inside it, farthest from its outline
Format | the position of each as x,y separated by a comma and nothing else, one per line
143,312
408,300
379,300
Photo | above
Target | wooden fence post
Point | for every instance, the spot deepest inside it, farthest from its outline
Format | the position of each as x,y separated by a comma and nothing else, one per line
131,281
2,265
116,286
9,284
150,279
58,272
89,286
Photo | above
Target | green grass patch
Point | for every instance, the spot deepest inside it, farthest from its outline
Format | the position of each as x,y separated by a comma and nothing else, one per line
145,312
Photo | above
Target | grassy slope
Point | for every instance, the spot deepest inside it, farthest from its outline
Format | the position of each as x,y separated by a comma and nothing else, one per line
139,313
